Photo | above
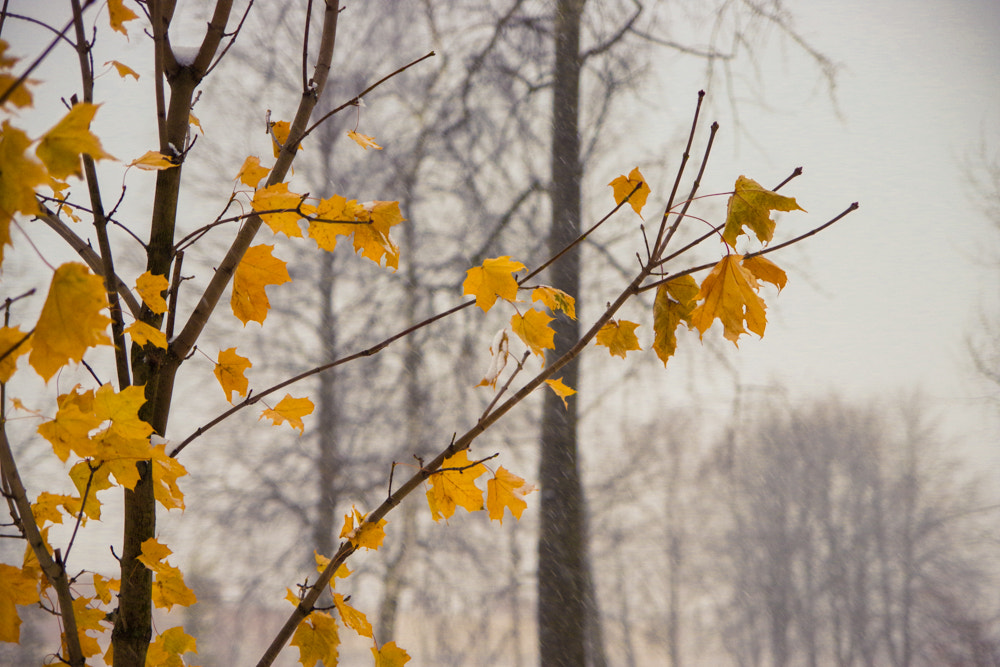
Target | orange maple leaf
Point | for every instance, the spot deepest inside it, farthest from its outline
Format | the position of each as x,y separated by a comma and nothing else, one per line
623,185
750,206
673,304
258,269
562,391
291,410
491,280
555,299
390,655
60,148
151,288
70,321
276,197
766,270
619,337
729,293
454,485
364,140
230,372
251,172
317,639
506,490
534,330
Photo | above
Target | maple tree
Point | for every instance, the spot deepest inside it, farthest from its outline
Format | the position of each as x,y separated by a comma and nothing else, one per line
115,434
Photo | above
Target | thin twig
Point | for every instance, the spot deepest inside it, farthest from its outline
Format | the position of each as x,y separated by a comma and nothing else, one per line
356,99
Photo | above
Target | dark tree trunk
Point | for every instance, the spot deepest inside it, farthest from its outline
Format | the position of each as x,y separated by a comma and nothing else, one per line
562,537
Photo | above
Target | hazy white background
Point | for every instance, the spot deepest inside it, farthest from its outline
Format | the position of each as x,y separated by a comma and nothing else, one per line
885,300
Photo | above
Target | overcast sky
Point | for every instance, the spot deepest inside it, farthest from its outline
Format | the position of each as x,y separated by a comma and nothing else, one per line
887,297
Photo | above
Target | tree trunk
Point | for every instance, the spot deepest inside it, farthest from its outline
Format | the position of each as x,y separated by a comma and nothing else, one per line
561,542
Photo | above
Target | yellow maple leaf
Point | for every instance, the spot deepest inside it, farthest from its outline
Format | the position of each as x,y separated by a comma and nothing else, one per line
153,161
166,470
491,280
352,618
70,321
766,270
322,561
60,148
230,372
45,509
562,391
166,650
143,333
291,410
152,553
103,588
119,15
534,330
70,429
373,240
619,337
151,288
321,229
729,293
169,589
90,481
21,96
454,485
623,185
19,177
251,172
87,618
123,69
669,312
555,299
193,120
168,586
750,206
364,140
13,343
121,408
258,269
361,533
279,132
317,639
390,655
506,490
276,197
